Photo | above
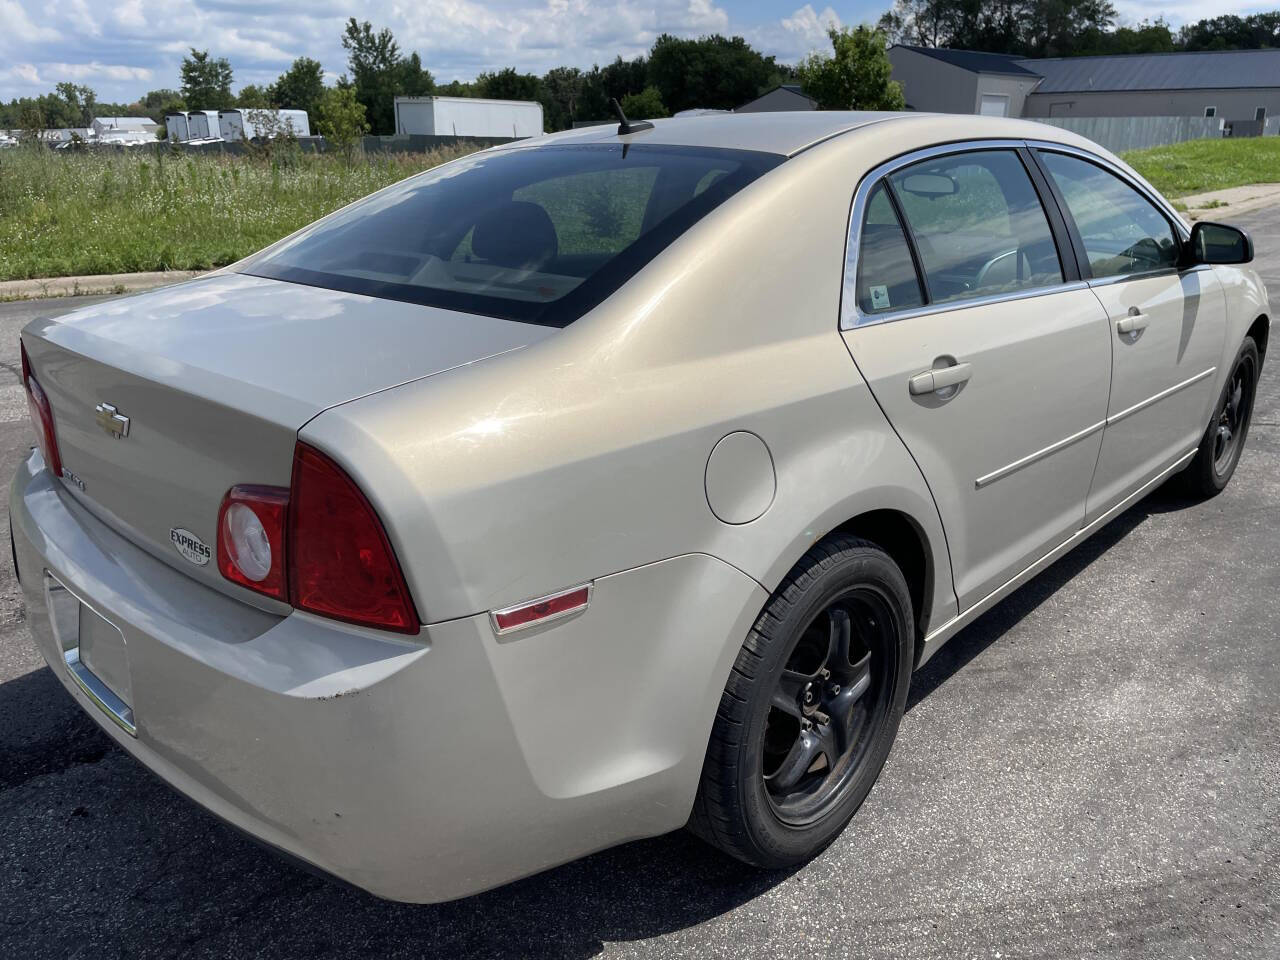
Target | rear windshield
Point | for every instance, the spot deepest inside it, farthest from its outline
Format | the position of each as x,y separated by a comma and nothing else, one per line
540,235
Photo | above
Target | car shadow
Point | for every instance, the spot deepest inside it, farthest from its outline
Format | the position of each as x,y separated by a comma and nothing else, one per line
989,628
162,865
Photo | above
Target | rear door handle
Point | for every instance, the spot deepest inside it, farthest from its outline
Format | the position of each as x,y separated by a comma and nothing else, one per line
1132,323
931,381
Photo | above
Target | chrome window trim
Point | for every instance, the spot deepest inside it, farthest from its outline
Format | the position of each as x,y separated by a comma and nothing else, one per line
851,316
949,306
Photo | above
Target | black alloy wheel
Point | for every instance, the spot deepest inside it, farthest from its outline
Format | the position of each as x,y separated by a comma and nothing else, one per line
827,703
811,707
1233,415
1223,441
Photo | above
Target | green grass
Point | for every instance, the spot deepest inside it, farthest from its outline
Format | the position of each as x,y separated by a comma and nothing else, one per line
64,214
1199,166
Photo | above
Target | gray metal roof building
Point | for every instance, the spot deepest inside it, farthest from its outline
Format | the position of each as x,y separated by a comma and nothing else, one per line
1234,85
1204,70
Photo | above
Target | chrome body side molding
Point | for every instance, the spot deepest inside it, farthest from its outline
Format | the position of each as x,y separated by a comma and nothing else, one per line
937,637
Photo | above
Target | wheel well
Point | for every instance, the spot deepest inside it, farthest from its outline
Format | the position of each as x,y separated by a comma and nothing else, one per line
1259,333
900,537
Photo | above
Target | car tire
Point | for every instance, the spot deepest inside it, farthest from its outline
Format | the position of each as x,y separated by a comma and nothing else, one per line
1215,461
843,615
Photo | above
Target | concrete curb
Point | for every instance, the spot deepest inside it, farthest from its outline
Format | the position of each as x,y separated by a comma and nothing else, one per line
87,286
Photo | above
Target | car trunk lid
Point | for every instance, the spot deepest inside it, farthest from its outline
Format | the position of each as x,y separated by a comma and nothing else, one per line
164,401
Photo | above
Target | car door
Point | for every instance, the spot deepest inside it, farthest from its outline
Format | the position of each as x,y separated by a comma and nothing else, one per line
987,354
1167,323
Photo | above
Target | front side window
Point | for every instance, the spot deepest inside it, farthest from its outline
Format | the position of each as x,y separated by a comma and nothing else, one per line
538,234
1122,230
978,225
886,273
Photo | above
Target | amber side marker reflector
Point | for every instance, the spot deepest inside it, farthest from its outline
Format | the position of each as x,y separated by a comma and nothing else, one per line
543,610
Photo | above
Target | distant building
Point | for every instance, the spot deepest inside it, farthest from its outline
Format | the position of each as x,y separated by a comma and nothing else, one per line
1234,85
962,81
1240,86
468,117
118,125
784,97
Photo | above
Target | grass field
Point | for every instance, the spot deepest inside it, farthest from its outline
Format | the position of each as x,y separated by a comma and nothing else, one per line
63,214
1199,166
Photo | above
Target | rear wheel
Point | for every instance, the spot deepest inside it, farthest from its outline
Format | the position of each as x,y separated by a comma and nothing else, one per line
1223,441
811,708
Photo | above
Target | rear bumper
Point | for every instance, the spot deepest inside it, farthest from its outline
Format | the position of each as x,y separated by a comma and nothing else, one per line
419,770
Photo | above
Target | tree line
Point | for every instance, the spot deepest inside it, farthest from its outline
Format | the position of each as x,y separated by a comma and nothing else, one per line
714,72
1065,28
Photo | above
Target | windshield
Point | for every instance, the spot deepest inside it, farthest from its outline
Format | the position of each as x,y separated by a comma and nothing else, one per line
540,235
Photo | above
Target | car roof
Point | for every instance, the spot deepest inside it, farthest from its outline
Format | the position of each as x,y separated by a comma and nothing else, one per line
785,133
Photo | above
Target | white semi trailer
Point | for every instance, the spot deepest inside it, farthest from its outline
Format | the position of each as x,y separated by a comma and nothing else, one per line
468,117
202,125
176,126
238,124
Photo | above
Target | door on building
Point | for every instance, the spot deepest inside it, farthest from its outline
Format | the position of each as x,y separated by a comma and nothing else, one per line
994,105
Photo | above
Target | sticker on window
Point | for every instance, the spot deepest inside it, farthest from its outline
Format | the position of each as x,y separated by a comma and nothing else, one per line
879,296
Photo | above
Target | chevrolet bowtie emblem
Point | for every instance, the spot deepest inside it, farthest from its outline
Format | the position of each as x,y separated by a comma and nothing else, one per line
110,420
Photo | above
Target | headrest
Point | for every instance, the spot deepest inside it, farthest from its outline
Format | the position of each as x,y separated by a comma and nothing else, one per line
516,233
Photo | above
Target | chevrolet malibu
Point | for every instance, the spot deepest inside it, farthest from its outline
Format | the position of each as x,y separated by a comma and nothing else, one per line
598,485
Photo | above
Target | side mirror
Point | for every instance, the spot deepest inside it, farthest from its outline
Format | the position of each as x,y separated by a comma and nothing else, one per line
1219,243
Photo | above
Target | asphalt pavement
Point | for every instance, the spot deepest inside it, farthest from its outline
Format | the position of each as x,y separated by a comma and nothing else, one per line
1092,769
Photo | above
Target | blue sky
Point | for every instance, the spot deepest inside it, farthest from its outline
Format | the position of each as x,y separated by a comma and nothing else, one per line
123,48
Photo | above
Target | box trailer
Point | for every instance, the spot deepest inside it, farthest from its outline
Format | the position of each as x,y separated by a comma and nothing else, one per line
468,117
176,126
239,124
202,125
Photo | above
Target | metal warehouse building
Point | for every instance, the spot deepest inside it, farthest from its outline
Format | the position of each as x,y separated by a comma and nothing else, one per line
1239,86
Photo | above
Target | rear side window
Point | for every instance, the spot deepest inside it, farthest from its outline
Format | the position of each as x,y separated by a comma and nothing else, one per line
538,234
1122,230
978,225
887,277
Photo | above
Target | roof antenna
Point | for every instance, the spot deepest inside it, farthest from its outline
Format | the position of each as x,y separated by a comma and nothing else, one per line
626,126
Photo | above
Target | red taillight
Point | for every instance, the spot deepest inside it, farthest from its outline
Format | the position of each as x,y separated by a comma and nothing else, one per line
41,417
318,545
251,527
340,561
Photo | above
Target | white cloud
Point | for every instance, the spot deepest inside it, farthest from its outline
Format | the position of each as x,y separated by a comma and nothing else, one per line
794,37
97,71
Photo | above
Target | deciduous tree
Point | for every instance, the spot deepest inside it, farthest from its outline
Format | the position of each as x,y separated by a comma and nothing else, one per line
206,81
340,119
299,87
856,76
379,73
645,105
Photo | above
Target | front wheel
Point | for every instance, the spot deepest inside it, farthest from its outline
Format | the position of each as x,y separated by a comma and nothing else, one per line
1223,442
811,708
